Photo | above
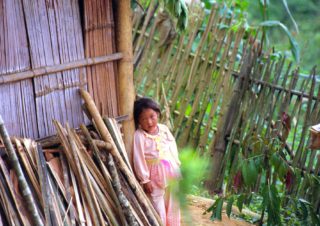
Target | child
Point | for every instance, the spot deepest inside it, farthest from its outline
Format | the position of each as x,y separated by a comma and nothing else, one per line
155,160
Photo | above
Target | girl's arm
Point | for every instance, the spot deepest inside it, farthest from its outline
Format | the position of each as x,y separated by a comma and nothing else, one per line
139,162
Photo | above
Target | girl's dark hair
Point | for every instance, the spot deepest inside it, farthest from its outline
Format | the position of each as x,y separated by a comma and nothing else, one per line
142,104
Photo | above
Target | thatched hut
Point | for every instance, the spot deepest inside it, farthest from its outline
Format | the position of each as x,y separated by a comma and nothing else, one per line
51,48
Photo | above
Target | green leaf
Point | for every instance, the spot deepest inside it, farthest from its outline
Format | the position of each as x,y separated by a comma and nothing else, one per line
229,206
240,201
178,8
223,26
218,214
249,172
273,207
304,201
293,43
304,211
216,209
290,15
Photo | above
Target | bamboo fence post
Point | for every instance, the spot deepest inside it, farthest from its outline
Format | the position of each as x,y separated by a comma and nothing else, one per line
183,65
220,143
26,192
195,67
206,75
152,6
299,154
125,71
222,93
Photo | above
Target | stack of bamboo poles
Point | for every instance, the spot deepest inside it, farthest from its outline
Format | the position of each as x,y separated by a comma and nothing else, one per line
86,180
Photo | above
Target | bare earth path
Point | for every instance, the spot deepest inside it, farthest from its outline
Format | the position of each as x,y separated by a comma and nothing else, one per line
194,216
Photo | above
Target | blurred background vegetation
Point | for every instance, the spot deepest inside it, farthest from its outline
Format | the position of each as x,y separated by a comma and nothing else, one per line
300,18
305,14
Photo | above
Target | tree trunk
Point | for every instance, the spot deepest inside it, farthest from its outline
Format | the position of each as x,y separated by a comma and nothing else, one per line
125,70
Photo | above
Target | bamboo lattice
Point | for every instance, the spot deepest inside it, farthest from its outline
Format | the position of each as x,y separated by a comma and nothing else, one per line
198,73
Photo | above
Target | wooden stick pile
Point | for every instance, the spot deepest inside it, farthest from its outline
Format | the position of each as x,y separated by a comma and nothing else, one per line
85,180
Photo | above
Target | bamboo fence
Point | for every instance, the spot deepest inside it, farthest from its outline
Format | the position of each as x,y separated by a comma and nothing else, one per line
50,49
83,179
220,91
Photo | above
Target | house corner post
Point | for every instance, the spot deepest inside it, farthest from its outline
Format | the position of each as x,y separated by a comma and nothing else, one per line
126,88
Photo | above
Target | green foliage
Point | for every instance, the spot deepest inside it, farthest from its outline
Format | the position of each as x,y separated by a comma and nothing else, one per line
271,202
300,21
305,14
240,201
293,43
216,209
179,10
302,210
260,161
193,169
229,206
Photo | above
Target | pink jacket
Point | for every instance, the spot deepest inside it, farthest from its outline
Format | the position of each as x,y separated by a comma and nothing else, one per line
155,157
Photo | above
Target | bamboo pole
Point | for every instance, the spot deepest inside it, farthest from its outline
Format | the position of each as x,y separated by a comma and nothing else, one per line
17,203
50,70
125,71
26,192
116,136
43,181
121,197
11,216
220,143
152,6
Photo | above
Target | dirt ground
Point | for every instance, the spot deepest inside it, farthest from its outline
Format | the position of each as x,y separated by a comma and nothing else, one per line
194,215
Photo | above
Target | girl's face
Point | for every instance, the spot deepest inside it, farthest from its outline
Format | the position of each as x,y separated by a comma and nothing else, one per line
148,120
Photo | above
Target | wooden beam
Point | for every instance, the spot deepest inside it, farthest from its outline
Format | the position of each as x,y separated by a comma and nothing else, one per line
125,70
14,77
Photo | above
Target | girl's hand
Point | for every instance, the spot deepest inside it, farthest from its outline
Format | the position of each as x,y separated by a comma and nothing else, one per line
148,187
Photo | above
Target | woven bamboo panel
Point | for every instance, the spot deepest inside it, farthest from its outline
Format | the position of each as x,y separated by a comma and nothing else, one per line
17,100
99,27
39,34
54,33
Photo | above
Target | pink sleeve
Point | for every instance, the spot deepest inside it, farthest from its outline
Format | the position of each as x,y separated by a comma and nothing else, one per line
139,163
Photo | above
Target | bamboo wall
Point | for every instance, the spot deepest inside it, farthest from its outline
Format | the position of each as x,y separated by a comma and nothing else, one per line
39,33
195,77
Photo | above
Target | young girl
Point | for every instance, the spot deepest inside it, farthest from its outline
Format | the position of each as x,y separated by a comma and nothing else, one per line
155,160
